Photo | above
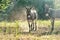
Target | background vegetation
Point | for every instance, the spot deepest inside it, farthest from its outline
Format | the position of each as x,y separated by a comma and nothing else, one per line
12,30
6,6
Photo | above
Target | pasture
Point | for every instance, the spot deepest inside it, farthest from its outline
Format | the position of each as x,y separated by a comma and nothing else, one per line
16,30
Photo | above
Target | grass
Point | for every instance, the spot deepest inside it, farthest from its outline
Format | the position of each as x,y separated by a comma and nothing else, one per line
31,37
57,23
15,25
16,36
19,23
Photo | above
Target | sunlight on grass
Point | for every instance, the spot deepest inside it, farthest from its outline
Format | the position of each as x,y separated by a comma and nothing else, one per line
57,23
19,23
44,22
41,23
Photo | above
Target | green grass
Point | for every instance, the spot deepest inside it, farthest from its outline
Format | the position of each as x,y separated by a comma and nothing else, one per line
57,23
18,23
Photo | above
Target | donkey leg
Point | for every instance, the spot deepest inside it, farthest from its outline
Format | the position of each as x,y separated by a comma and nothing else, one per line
32,25
29,26
35,25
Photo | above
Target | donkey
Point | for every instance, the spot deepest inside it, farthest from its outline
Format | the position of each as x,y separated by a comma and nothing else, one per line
31,18
50,13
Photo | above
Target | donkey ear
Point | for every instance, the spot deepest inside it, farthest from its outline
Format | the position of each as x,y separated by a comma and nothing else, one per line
30,7
26,7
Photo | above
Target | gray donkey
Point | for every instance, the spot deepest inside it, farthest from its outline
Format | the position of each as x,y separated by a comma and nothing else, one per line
31,18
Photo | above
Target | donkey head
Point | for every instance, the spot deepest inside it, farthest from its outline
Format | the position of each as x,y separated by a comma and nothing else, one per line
28,9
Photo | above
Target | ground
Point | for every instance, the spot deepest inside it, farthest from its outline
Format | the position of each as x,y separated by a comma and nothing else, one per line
42,33
29,37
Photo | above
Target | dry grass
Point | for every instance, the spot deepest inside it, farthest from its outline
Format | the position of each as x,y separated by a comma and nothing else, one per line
20,23
28,36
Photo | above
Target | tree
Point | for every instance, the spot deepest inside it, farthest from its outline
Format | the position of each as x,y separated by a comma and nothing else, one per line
0,1
7,5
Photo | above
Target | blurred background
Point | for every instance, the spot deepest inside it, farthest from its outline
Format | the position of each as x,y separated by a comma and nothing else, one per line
13,20
15,9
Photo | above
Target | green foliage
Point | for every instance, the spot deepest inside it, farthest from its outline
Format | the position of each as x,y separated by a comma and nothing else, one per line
38,4
7,5
4,9
4,4
57,4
